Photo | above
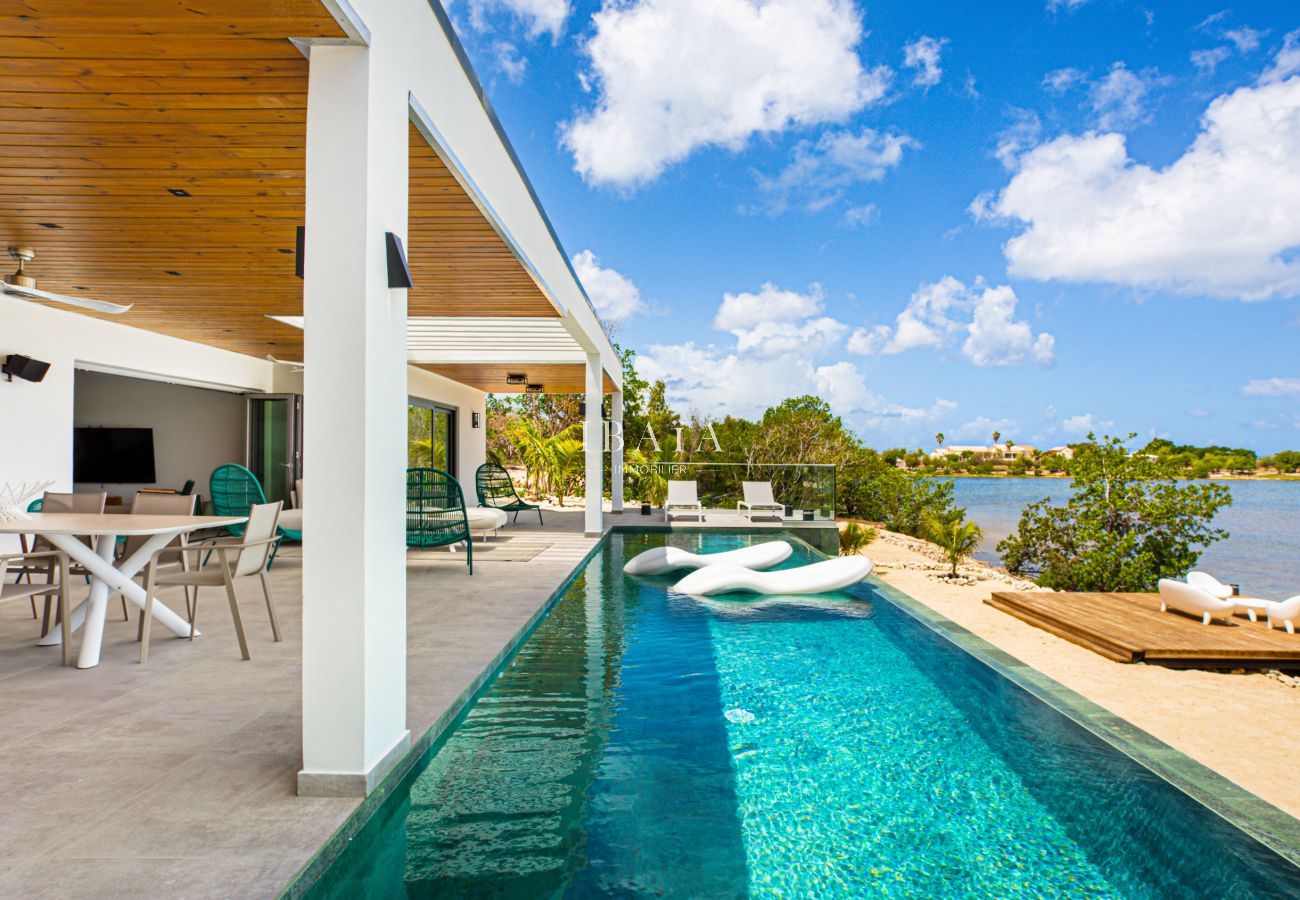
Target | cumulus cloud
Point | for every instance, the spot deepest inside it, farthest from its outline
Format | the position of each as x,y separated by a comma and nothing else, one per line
859,216
509,61
1223,220
842,386
938,314
808,338
1118,99
820,172
672,76
1067,5
538,16
1245,39
1085,424
612,293
922,56
740,312
1272,387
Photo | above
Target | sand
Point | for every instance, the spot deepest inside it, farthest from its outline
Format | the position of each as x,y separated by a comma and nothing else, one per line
1243,726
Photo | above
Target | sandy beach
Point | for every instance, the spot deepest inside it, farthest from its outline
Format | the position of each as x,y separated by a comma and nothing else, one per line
1243,726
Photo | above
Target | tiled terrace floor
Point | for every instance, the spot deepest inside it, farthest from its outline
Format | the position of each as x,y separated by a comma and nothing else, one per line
177,778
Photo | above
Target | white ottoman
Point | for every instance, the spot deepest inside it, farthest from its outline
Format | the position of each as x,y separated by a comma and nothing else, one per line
484,520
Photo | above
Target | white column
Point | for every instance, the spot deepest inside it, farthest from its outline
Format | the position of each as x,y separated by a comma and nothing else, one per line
616,444
594,440
354,565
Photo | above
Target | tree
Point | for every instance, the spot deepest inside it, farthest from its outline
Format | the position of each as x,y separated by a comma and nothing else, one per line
1127,524
954,535
997,436
854,537
939,438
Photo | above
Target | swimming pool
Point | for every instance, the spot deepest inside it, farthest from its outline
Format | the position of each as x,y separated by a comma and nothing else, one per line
644,742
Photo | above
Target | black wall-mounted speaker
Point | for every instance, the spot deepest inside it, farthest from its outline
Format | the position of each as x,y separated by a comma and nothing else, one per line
24,367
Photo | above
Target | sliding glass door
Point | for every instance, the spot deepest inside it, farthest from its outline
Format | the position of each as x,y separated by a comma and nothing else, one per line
431,436
275,442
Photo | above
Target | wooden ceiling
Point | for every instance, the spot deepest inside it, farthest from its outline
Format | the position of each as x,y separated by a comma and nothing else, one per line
555,378
107,106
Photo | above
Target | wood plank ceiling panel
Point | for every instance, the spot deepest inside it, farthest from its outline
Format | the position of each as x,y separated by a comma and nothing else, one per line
555,378
107,107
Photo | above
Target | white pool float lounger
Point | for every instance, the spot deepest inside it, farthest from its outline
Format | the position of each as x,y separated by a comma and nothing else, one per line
666,559
818,578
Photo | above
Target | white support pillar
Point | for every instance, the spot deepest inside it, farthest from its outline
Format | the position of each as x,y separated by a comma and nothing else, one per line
354,561
617,441
594,433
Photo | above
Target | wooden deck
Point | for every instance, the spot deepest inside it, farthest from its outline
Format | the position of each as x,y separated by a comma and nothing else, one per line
1131,628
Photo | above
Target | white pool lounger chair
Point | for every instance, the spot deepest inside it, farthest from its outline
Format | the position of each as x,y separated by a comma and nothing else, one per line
682,497
758,499
658,560
1284,614
818,578
1211,585
1189,598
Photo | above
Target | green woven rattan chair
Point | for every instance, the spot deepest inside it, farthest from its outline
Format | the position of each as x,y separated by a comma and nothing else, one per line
234,490
497,490
435,512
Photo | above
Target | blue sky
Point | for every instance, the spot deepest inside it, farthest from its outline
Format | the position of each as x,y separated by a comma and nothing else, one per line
1041,218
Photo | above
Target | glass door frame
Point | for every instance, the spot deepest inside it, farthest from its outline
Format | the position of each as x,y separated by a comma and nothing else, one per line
293,441
453,428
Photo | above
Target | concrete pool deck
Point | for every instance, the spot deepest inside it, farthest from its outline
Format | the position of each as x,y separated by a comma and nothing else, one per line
177,778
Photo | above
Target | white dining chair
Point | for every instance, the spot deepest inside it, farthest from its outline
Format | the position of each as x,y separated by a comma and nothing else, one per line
242,557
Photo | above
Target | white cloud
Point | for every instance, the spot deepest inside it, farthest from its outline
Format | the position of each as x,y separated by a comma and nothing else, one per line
820,172
741,312
1208,60
940,312
809,338
859,216
1118,100
922,55
1272,387
1245,39
613,294
509,61
538,16
982,428
1088,423
1067,5
1024,132
1198,414
842,386
672,76
1223,220
997,339
1059,81
1287,61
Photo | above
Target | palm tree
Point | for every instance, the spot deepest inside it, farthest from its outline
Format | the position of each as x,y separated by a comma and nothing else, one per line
997,435
939,438
955,536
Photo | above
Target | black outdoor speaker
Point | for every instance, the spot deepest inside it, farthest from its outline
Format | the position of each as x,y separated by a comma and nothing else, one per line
24,367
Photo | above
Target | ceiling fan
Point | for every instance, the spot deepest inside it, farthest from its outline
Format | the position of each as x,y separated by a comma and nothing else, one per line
296,368
20,284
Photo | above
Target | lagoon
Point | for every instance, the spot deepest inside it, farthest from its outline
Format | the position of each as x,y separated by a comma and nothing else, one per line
1262,553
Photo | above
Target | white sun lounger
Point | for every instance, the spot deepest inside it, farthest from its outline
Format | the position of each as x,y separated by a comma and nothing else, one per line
1211,585
1189,598
682,497
1284,614
658,560
758,499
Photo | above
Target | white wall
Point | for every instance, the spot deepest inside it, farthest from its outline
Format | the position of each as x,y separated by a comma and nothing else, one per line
471,443
194,429
36,420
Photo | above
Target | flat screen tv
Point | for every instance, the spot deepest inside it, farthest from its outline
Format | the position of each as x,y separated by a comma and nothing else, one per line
113,456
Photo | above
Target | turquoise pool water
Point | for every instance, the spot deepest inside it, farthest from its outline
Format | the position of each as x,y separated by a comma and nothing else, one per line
646,743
